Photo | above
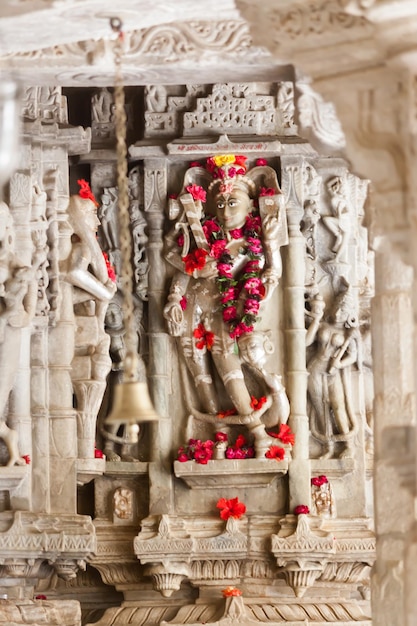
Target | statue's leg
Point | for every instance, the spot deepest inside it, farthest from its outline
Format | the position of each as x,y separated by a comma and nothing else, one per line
199,369
10,438
229,367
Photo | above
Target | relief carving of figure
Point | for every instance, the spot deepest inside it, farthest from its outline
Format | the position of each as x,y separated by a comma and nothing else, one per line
340,222
18,298
336,343
228,257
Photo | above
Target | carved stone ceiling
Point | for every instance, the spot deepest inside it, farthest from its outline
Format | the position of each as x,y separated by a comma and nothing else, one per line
68,42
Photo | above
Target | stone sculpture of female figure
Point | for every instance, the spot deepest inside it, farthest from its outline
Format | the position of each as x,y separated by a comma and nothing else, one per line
229,264
332,417
18,296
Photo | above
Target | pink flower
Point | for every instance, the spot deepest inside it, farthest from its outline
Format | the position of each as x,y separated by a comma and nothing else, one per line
195,164
203,456
173,196
229,294
318,481
217,248
219,436
26,457
253,285
232,172
210,227
240,453
241,171
251,306
254,245
253,222
260,162
241,329
98,454
183,457
183,303
301,509
197,192
225,270
231,508
229,313
180,240
267,191
236,233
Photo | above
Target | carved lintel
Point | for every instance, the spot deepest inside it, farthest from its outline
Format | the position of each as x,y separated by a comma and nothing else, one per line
224,144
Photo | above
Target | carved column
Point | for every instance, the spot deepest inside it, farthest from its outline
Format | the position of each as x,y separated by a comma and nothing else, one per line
392,331
299,469
160,478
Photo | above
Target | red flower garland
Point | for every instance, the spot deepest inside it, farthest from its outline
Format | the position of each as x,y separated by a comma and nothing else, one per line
240,320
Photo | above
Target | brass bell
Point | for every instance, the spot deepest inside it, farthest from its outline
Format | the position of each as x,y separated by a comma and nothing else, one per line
131,404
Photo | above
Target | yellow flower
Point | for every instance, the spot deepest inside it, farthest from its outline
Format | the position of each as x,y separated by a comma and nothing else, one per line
224,159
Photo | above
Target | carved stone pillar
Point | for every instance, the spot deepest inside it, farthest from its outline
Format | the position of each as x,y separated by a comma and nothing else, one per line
392,330
299,469
160,478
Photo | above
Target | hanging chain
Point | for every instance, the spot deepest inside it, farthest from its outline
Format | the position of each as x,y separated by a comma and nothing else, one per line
125,237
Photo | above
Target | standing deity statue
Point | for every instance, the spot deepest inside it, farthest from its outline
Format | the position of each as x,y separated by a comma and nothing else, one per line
229,264
336,343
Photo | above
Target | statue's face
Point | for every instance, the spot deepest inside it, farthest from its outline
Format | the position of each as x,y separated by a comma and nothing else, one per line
232,209
92,220
252,350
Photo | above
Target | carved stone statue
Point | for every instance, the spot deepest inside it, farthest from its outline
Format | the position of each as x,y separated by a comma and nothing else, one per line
229,265
340,222
92,291
337,350
18,296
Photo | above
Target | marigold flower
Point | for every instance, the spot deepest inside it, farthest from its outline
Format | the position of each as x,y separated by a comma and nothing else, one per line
224,159
240,159
275,452
231,508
